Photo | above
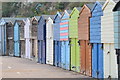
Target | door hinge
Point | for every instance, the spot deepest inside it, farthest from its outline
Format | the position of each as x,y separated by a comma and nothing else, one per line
89,44
73,67
109,77
92,45
102,46
69,42
97,72
108,52
117,51
79,42
83,72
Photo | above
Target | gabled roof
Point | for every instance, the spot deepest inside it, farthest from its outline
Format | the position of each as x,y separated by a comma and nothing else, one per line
12,20
19,21
106,3
45,17
66,11
58,14
52,16
89,6
61,13
97,3
28,20
2,22
117,7
37,17
75,8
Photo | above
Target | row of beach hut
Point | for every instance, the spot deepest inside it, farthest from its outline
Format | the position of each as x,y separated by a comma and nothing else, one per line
85,39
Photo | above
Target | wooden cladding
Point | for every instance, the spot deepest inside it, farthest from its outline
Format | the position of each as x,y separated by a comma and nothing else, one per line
84,23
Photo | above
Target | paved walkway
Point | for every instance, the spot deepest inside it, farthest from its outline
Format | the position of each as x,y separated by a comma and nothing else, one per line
23,68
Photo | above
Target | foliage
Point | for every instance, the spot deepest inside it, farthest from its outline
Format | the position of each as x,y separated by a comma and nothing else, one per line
22,9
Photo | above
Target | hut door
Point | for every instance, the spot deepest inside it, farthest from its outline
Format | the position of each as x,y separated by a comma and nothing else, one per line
113,61
85,49
88,58
97,60
67,55
73,65
0,41
16,41
75,56
49,51
83,55
10,47
100,60
63,54
110,59
27,49
41,52
59,53
22,48
33,47
55,53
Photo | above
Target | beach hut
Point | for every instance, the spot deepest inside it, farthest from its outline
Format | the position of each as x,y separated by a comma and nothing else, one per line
56,38
28,45
83,36
34,26
117,33
95,40
42,39
49,40
64,38
107,38
9,35
74,42
3,44
19,41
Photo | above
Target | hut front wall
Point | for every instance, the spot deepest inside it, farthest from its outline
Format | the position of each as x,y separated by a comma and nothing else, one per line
107,22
